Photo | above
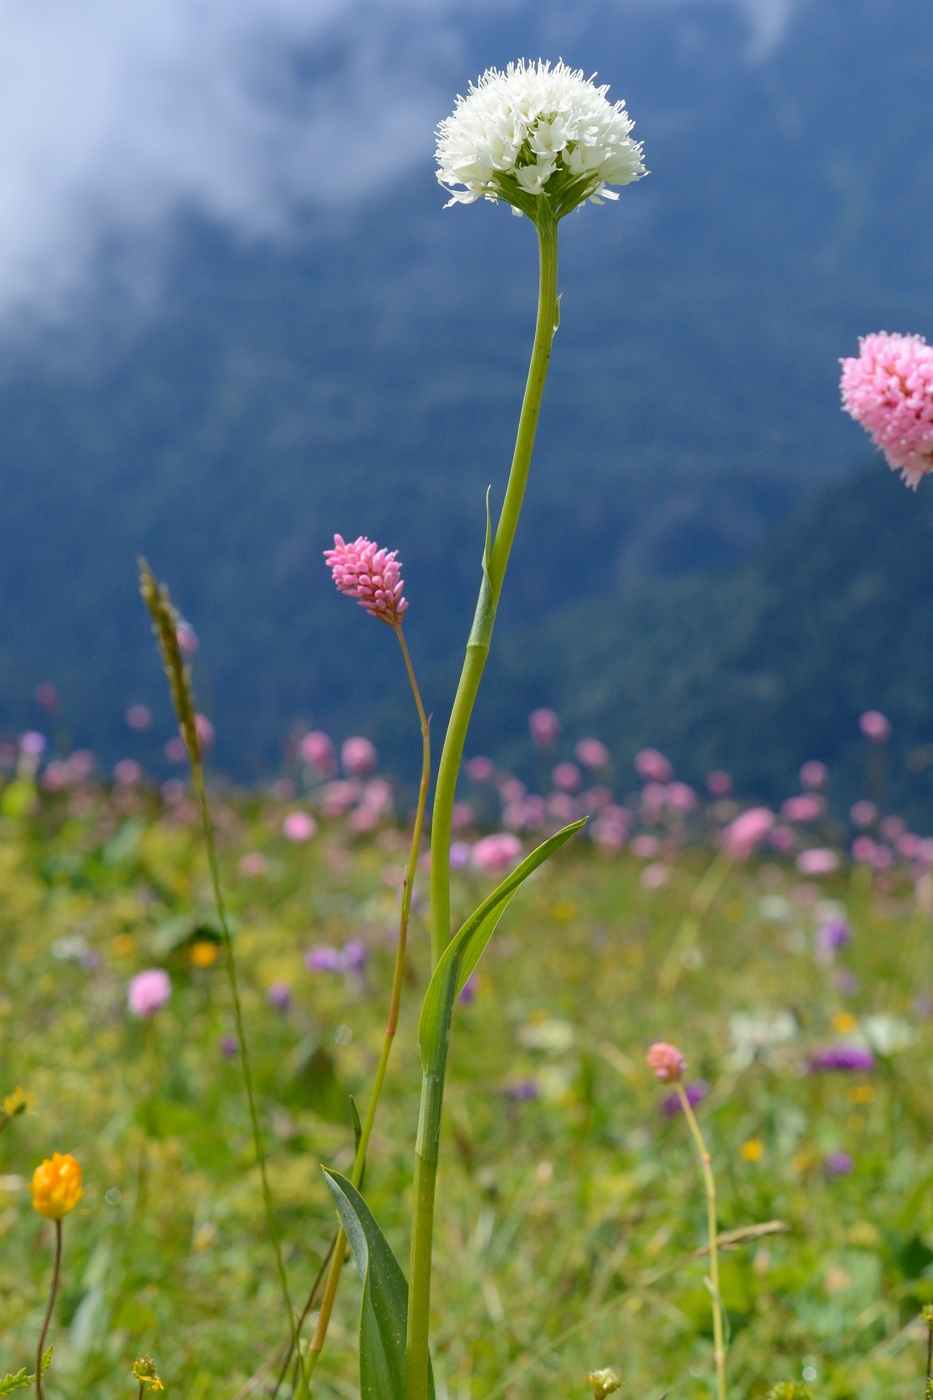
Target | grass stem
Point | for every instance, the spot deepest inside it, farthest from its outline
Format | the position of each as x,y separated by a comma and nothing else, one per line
709,1180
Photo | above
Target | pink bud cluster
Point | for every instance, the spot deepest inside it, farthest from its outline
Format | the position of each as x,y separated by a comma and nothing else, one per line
369,574
667,1062
888,389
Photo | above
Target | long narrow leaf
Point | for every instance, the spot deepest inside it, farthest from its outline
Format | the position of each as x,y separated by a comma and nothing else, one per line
384,1314
466,947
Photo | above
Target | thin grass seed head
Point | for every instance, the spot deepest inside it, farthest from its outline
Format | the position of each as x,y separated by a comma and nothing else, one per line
166,622
56,1186
535,132
888,390
371,575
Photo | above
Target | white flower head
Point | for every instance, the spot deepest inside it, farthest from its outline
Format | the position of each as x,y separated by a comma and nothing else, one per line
535,131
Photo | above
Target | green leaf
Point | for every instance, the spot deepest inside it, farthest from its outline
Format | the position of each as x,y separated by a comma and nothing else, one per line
465,949
384,1314
18,1382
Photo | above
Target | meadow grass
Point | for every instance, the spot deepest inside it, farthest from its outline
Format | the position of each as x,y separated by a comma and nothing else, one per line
570,1202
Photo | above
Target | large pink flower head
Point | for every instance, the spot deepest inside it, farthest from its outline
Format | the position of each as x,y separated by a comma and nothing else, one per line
888,389
666,1061
371,575
148,991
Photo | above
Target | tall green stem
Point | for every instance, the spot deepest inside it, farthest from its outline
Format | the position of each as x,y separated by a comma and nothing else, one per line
494,567
719,1345
491,587
336,1265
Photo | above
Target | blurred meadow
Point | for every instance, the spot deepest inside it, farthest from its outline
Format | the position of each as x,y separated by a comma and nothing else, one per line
571,1205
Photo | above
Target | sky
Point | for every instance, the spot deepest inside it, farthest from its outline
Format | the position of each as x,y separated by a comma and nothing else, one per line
115,116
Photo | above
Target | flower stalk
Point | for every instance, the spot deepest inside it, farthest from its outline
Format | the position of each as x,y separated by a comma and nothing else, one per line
719,1345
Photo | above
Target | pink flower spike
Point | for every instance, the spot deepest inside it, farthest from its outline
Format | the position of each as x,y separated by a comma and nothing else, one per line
371,575
666,1061
888,389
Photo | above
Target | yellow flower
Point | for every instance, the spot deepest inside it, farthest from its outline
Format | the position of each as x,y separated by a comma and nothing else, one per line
752,1151
844,1023
18,1102
144,1370
203,953
56,1186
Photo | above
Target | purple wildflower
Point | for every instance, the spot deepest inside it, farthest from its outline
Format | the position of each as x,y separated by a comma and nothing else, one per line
228,1046
848,1058
696,1093
839,1163
522,1090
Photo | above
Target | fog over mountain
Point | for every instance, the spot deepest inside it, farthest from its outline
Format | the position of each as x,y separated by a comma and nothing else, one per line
236,318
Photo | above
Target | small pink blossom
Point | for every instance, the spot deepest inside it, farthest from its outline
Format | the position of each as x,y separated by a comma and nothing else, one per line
33,744
494,854
888,389
567,777
817,861
863,850
139,717
782,838
253,864
187,639
480,769
128,773
56,776
545,728
358,757
805,808
875,726
371,575
653,766
814,774
562,807
299,826
666,1061
80,765
205,731
741,836
595,799
653,801
681,797
512,790
337,797
175,750
461,816
460,855
317,749
655,876
863,813
892,828
645,847
592,753
718,783
148,991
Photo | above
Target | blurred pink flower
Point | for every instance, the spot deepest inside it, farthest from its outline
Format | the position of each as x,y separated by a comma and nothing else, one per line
187,639
371,575
741,836
595,799
611,829
512,790
655,876
888,389
480,769
666,1061
893,827
254,863
909,845
358,757
652,765
128,772
681,797
494,854
299,826
562,807
567,777
645,847
460,855
148,991
875,726
814,774
279,995
56,776
653,801
33,744
175,750
863,813
592,753
805,808
337,797
377,797
545,728
80,765
139,717
863,850
317,749
718,783
461,816
782,838
817,861
205,731
47,695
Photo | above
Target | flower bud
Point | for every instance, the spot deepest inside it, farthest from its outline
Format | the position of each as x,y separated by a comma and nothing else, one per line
56,1186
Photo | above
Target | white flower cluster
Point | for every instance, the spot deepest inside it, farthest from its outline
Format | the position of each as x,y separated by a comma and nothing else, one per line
536,130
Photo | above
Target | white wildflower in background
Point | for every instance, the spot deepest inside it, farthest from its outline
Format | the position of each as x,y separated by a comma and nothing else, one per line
755,1034
536,130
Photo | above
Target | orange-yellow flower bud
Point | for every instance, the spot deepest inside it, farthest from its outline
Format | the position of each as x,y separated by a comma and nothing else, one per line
56,1186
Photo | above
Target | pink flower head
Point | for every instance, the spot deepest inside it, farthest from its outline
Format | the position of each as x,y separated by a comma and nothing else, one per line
567,777
371,575
545,728
299,826
892,828
480,769
148,991
666,1061
681,797
462,815
512,790
652,765
358,757
864,850
205,731
494,854
317,749
888,389
187,639
253,864
33,744
742,836
817,861
863,813
592,753
814,774
805,808
128,773
718,783
139,717
875,726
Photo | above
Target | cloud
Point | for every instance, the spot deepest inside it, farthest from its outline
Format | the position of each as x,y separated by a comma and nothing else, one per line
115,114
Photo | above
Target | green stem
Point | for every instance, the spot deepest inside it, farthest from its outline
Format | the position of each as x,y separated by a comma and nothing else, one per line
719,1344
700,901
491,587
53,1291
336,1264
197,775
494,567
